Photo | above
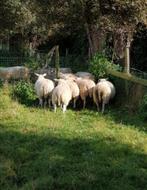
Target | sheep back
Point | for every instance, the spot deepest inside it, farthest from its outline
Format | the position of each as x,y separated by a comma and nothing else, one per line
103,91
61,94
44,87
86,87
74,88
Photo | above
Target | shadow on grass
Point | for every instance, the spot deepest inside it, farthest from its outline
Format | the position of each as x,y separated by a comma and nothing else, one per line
118,115
127,118
47,162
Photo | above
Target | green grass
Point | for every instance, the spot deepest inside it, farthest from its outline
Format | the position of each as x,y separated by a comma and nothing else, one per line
78,150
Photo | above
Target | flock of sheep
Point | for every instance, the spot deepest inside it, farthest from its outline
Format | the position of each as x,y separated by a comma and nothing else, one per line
70,87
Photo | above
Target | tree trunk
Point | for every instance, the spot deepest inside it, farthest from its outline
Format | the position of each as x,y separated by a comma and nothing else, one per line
57,61
96,39
119,43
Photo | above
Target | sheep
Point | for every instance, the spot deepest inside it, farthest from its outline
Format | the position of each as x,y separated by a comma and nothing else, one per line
43,88
67,76
74,90
61,95
86,88
85,75
103,92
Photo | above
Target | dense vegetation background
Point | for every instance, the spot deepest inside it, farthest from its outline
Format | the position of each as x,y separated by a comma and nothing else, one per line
82,149
82,27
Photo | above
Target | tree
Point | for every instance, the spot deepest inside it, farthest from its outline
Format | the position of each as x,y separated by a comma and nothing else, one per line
117,16
16,16
64,18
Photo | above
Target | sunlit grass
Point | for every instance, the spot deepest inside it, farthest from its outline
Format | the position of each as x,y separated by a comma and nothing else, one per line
40,149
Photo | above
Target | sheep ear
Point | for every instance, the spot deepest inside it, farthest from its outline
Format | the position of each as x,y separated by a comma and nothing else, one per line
56,80
36,74
44,74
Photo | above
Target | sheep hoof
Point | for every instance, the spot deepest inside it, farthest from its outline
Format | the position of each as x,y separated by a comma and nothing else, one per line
64,108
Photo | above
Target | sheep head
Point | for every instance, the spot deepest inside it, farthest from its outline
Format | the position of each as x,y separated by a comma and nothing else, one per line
40,76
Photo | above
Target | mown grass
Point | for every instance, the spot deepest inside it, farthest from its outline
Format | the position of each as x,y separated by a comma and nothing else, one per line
78,150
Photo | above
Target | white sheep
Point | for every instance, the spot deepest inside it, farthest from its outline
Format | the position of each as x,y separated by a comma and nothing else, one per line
103,92
61,95
43,88
67,76
86,88
85,75
74,90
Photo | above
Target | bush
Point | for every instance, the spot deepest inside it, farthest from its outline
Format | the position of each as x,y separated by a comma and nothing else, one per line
99,65
31,63
24,92
143,108
1,83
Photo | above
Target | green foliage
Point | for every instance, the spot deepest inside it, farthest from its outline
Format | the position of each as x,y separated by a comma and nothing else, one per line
143,108
17,16
100,64
1,83
24,92
31,63
75,62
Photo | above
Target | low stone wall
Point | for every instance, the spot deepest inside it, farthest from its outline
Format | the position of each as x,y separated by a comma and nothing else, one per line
51,73
16,72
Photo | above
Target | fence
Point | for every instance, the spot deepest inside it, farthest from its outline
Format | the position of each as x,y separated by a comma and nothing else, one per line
43,59
130,88
11,61
138,73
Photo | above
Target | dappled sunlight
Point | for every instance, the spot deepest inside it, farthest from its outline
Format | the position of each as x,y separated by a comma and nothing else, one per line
80,149
63,162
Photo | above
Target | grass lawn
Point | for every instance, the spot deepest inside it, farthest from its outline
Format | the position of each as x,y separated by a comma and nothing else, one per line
78,150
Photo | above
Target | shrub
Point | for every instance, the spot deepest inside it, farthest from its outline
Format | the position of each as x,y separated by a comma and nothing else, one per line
1,83
143,108
31,63
24,92
99,65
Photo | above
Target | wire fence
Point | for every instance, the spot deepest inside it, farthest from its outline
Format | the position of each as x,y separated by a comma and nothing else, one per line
43,60
11,61
138,73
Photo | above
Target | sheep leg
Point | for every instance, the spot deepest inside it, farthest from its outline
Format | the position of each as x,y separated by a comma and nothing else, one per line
64,108
74,102
41,102
45,103
84,103
103,107
55,107
49,102
97,104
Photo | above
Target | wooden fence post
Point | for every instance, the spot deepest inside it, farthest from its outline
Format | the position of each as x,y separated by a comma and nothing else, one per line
127,58
127,65
57,61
